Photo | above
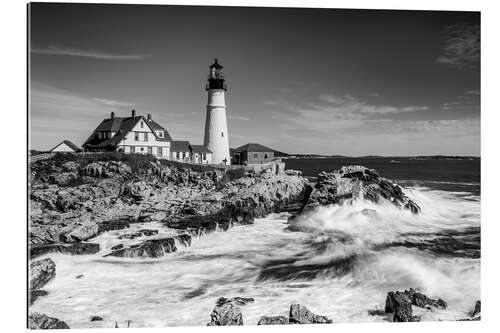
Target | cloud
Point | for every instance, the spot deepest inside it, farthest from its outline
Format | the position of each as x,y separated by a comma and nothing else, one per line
238,118
462,46
110,102
55,50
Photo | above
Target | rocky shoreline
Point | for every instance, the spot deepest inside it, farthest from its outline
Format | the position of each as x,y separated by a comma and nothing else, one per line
73,202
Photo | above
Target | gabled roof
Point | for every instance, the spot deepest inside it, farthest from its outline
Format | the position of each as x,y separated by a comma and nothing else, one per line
122,126
69,144
157,127
179,146
200,149
253,147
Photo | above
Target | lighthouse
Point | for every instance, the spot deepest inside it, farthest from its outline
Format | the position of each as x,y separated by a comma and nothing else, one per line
216,135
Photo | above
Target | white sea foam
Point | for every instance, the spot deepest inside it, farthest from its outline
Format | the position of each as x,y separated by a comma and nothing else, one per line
340,265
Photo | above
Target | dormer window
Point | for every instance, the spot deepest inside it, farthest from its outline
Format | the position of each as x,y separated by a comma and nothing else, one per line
160,134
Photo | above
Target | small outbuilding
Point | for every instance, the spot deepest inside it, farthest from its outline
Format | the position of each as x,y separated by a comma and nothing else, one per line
252,153
180,151
201,154
66,147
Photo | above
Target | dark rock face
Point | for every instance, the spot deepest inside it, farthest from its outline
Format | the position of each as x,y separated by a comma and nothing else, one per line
477,309
153,248
112,225
41,272
73,249
354,182
40,321
34,294
95,318
299,314
139,233
273,320
227,312
400,304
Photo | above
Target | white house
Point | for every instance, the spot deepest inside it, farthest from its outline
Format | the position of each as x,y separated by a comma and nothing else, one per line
134,134
200,154
66,146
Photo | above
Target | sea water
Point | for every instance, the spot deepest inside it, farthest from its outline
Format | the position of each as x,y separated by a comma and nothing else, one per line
339,261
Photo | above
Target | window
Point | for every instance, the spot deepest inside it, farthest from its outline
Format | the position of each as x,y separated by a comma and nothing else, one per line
204,156
183,154
160,151
99,135
150,150
136,136
145,136
142,124
177,155
255,155
266,156
222,134
132,149
142,148
160,134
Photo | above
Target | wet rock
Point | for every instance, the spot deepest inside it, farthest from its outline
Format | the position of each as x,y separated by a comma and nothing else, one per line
273,320
79,232
153,248
351,182
35,294
41,272
73,249
299,314
423,301
477,309
113,225
227,312
117,247
95,318
79,276
44,322
400,304
184,239
139,233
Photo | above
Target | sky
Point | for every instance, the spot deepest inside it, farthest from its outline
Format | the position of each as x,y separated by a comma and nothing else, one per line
323,81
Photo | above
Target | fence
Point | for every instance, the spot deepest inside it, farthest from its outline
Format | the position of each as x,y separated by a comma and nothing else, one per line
39,157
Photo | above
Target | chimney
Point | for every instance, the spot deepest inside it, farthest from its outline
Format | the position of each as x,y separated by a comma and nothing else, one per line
133,113
149,116
112,115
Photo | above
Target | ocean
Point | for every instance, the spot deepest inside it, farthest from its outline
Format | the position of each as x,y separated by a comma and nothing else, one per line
341,263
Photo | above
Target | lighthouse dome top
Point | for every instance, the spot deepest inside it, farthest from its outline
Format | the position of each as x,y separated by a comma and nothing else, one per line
216,65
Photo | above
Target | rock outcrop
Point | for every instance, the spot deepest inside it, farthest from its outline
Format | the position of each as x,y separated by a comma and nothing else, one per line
400,303
151,248
41,272
73,249
37,321
299,314
353,182
227,311
273,320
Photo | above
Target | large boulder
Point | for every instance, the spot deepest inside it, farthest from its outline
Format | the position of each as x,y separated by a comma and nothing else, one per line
299,314
37,321
79,232
227,311
41,272
352,182
400,304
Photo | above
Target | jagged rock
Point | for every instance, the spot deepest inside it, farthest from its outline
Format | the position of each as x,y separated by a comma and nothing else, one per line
139,233
400,304
477,309
422,301
73,249
273,320
227,312
113,225
95,318
41,272
62,178
44,322
35,294
353,182
105,169
299,314
152,248
79,232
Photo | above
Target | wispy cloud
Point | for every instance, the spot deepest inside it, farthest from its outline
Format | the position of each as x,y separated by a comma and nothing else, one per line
462,46
56,50
110,102
238,118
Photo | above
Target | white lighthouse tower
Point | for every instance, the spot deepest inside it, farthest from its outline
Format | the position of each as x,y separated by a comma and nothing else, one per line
216,136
